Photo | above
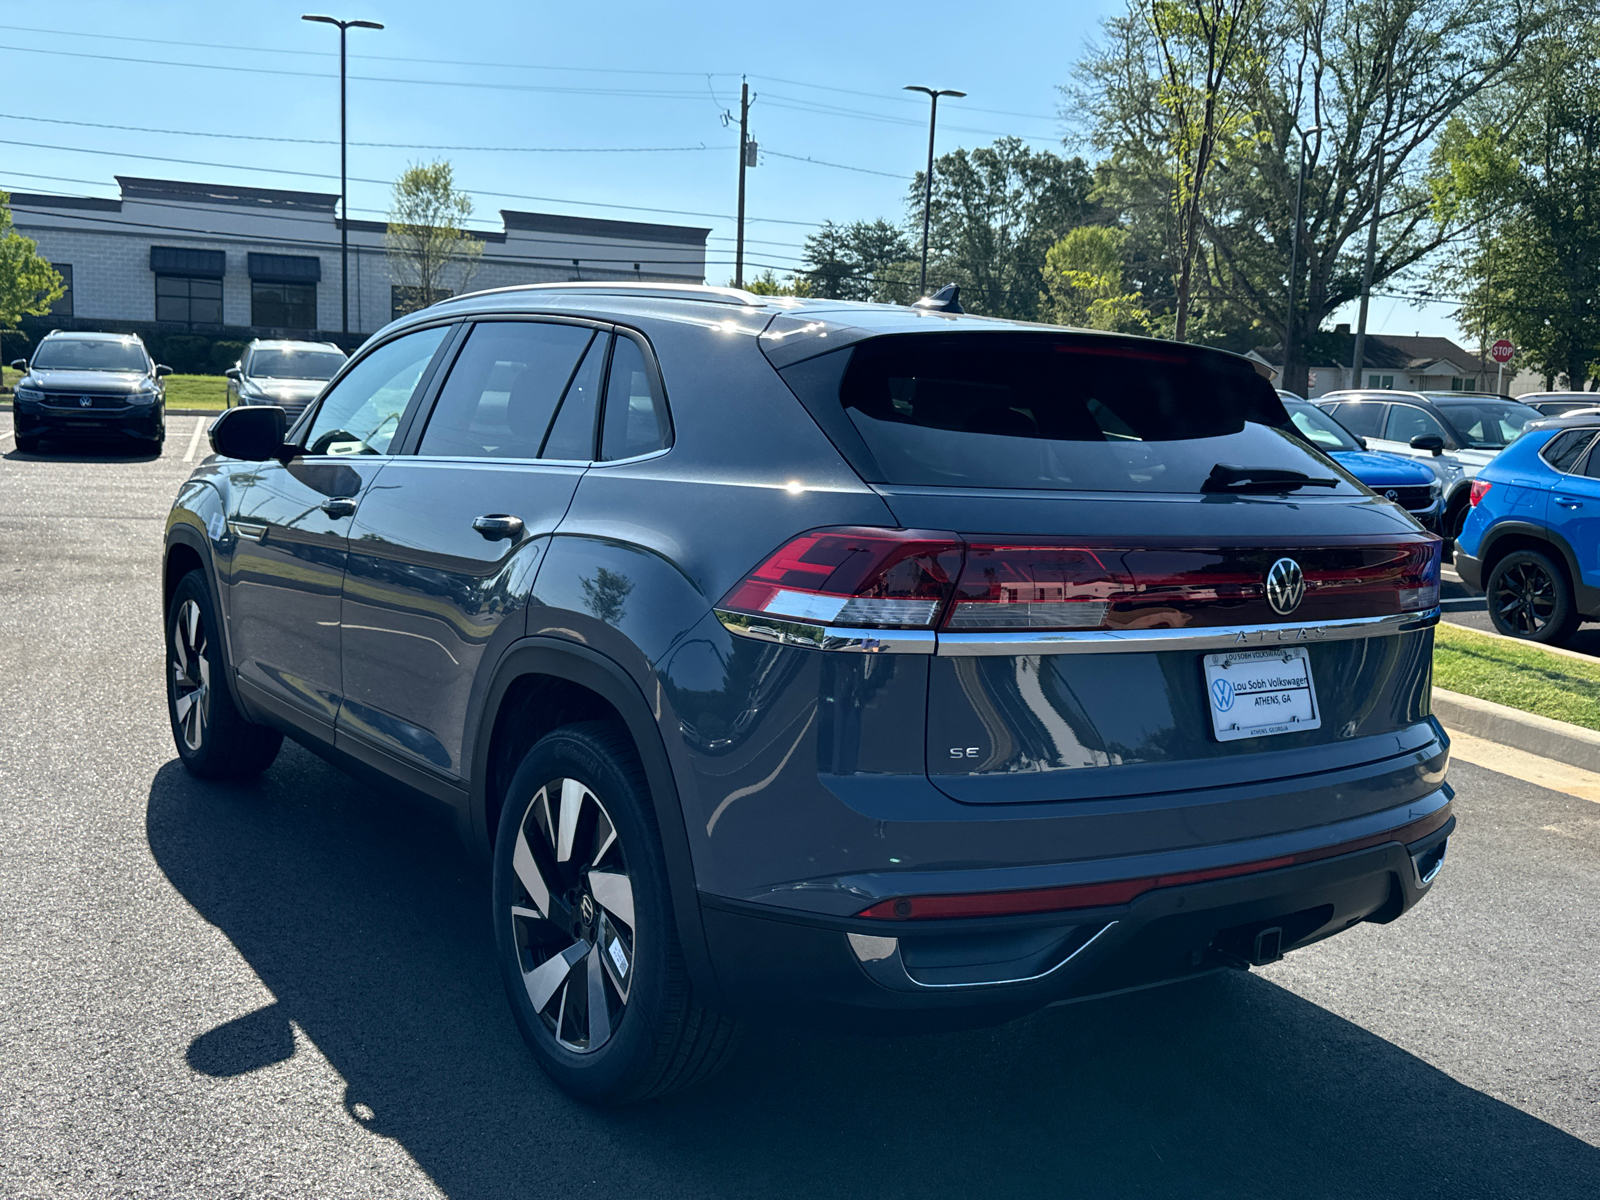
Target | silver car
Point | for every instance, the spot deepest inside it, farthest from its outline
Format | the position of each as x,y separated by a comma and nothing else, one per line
288,374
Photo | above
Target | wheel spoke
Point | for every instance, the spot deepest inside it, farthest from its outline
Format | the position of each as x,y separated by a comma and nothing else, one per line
599,1014
614,891
184,703
191,612
180,653
572,796
549,975
522,862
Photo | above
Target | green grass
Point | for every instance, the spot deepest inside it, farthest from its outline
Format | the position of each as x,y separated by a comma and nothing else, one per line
9,377
1518,675
197,391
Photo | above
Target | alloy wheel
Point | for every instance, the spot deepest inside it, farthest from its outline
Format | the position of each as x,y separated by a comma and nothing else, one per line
191,676
573,925
1525,598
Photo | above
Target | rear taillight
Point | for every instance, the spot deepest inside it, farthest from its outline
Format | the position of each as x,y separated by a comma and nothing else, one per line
1036,587
1480,489
876,578
1419,576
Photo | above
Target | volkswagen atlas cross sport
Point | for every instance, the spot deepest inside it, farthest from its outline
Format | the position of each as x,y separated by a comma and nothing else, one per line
870,667
90,385
287,374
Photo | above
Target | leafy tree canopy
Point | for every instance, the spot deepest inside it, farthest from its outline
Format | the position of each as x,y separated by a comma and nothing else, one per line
28,284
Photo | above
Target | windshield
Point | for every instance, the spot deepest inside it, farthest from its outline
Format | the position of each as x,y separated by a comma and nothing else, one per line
295,364
74,354
1488,424
1004,410
1318,428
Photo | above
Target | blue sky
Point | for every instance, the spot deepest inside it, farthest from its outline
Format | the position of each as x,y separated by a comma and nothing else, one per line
564,89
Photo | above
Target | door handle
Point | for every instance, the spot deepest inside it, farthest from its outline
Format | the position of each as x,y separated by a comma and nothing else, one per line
1569,502
495,526
340,507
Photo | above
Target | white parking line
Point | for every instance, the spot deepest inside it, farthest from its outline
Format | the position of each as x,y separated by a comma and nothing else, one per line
194,442
1530,768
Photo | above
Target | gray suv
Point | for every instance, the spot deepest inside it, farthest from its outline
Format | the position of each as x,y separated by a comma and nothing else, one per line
861,666
287,374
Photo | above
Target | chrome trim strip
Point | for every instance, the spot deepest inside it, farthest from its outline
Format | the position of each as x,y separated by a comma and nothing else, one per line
1145,641
882,955
1096,641
828,637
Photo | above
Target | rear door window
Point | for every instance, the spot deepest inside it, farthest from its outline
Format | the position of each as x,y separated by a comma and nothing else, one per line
1362,418
1020,410
503,390
1565,449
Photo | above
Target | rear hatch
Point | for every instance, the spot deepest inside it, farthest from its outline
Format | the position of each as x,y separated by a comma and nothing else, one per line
1145,580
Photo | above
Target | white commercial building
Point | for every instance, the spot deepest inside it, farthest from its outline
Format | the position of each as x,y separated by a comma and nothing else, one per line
238,262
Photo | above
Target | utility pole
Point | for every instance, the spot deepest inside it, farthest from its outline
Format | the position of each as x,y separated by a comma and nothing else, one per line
927,190
1294,255
744,161
1357,358
344,186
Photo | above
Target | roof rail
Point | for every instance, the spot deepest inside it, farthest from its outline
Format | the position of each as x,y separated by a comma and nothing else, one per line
658,291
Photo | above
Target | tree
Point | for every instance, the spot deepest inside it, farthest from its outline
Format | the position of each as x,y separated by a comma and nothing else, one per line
844,262
1083,282
28,284
996,211
1529,189
768,284
429,249
1208,59
1380,78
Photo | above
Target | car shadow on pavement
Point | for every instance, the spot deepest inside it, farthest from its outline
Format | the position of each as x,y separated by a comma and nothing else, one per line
368,922
97,451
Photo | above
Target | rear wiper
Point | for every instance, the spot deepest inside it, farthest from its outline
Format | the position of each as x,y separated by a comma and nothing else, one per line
1225,477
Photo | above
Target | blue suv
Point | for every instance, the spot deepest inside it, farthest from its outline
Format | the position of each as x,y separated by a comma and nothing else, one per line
1532,538
1401,481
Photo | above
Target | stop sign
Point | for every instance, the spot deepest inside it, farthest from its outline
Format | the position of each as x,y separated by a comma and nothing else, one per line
1502,351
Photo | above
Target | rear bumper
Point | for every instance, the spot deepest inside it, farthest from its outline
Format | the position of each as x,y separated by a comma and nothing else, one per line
1470,569
895,976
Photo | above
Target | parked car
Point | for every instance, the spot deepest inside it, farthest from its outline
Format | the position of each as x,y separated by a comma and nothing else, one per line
1532,537
1467,428
1555,404
287,374
1404,481
89,385
840,663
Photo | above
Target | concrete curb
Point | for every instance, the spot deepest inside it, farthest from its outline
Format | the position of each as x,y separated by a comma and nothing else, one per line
1570,744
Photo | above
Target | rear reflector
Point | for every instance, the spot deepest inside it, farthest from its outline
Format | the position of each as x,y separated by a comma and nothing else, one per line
920,579
1123,891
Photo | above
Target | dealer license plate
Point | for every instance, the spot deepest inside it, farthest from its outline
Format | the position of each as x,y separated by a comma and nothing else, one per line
1255,693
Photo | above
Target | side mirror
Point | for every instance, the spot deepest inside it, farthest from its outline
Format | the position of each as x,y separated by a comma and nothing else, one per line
19,364
1430,442
234,374
254,433
162,372
1362,442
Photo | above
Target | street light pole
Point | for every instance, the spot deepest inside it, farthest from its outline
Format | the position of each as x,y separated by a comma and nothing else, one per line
344,187
927,191
1294,253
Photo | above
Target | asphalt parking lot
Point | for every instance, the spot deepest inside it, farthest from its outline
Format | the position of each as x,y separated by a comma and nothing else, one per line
286,988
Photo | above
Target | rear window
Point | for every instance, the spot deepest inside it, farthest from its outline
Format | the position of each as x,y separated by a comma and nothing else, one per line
1488,424
1007,410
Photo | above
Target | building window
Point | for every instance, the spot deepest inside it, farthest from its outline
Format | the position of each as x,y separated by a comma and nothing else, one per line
283,305
63,306
403,300
189,301
1380,381
1463,384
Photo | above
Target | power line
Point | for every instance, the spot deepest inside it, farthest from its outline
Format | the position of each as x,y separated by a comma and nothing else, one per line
191,162
817,162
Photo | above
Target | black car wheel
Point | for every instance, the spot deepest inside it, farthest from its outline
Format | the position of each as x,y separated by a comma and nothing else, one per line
28,443
584,929
213,738
1529,597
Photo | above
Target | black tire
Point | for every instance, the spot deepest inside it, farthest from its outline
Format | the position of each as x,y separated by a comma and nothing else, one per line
28,443
213,738
1529,597
568,946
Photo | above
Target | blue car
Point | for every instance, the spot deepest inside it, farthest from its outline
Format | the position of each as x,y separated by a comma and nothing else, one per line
1532,537
1409,484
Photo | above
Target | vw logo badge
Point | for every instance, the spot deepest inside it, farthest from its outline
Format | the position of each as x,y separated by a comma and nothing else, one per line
85,401
1222,695
1286,586
1391,494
